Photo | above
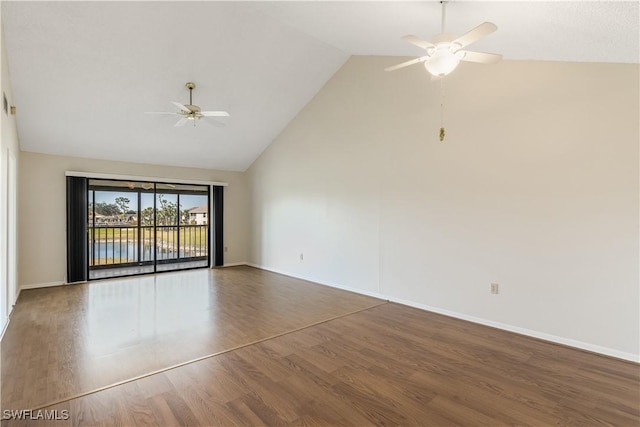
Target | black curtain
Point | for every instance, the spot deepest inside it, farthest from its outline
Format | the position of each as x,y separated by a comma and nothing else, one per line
77,229
218,209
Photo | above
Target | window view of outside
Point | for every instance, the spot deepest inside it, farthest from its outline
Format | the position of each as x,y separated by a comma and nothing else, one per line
113,220
177,220
131,224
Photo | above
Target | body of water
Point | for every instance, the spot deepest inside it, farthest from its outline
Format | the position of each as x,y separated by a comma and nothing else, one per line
128,252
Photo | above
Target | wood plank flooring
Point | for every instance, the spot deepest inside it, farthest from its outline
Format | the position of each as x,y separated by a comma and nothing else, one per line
68,340
384,365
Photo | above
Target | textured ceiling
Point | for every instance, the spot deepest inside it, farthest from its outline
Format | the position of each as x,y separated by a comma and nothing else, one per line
84,73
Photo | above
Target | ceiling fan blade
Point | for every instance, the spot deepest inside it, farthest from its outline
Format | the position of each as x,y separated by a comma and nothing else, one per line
481,57
181,122
214,113
407,63
418,42
476,34
159,112
180,106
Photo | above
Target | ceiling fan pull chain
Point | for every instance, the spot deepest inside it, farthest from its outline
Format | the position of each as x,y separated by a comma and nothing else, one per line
442,133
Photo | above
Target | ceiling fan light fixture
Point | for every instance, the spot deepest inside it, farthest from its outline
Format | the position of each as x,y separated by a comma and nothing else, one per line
445,52
442,62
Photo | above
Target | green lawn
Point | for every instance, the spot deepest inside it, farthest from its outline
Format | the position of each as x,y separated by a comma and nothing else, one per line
188,236
109,261
104,233
191,236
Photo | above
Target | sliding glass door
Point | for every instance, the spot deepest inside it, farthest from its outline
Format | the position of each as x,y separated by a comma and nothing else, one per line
144,227
182,226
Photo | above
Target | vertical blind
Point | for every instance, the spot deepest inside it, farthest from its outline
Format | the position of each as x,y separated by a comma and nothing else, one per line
77,219
218,243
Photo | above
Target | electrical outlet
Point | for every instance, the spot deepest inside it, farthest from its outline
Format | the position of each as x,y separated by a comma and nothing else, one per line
301,257
495,288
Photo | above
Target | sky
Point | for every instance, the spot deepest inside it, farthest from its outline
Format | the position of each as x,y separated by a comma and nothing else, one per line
186,200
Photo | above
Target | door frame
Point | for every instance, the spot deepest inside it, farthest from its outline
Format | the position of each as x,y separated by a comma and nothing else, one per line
216,259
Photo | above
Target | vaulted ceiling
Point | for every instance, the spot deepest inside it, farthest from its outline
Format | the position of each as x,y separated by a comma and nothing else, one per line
84,73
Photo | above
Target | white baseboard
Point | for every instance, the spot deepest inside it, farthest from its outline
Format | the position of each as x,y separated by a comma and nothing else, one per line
528,332
6,324
321,282
518,330
235,264
41,285
4,328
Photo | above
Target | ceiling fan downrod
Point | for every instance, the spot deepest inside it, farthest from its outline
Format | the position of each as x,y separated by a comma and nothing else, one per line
191,86
444,13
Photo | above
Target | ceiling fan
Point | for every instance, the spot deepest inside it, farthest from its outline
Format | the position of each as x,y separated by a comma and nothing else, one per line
445,51
192,112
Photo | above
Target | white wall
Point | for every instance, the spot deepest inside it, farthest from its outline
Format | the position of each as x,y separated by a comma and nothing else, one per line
42,207
535,188
9,155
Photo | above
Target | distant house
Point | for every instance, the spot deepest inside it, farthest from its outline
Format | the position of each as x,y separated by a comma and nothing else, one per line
130,218
99,218
199,215
113,220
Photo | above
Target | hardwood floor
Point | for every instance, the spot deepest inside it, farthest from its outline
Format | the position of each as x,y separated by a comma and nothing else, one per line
68,340
362,362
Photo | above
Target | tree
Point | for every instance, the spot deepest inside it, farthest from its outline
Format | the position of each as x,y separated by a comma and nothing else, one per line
167,213
147,216
123,207
107,209
185,217
123,204
171,213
